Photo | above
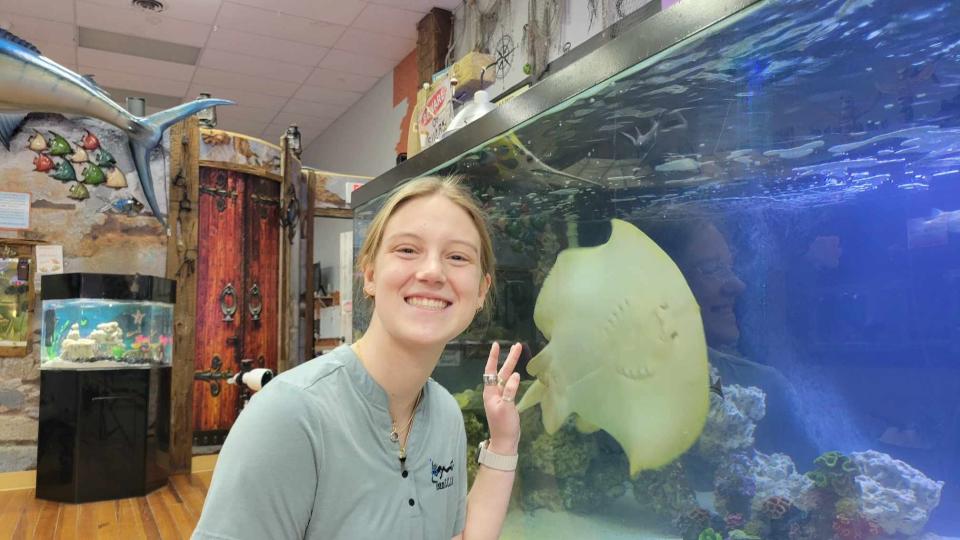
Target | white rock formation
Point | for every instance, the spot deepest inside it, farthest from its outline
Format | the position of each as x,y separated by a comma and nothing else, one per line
731,421
776,475
107,336
896,496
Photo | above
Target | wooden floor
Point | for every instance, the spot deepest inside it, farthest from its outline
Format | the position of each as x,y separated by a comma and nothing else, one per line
166,514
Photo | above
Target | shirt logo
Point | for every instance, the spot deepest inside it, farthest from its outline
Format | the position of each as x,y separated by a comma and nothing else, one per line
441,476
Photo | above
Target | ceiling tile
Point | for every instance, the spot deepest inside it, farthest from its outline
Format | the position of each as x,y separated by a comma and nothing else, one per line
318,94
334,11
313,109
423,6
201,11
389,20
294,52
245,114
276,130
226,79
241,96
258,67
303,122
375,44
39,30
138,23
134,64
266,22
357,63
129,81
153,101
244,127
328,78
52,11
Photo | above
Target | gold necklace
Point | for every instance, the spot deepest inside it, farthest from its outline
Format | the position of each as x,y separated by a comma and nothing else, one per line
395,433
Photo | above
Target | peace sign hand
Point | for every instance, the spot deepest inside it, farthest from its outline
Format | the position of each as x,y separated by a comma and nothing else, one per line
499,392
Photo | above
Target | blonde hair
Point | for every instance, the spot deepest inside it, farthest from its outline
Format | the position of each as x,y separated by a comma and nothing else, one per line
451,188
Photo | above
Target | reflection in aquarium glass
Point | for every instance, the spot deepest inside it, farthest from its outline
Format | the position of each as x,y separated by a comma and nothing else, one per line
735,269
94,333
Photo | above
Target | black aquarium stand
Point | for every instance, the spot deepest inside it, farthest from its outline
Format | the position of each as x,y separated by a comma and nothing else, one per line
104,433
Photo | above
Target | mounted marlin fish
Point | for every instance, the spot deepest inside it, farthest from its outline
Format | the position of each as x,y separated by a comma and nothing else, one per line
30,82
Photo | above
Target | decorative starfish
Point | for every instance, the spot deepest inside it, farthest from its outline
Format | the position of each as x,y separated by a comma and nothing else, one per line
138,317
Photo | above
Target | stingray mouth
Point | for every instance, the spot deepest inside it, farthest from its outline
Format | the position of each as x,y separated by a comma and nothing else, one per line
429,304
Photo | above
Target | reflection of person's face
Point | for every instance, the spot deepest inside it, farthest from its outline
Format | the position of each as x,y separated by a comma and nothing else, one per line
708,266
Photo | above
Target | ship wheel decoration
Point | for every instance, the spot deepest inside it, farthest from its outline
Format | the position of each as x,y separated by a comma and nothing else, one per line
504,54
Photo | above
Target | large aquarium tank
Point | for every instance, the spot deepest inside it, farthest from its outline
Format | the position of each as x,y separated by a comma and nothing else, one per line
729,240
106,321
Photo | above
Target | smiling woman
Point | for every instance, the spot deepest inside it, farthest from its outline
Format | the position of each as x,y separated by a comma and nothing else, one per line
361,442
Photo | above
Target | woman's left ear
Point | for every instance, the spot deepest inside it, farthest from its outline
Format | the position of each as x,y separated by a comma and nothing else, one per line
484,289
368,284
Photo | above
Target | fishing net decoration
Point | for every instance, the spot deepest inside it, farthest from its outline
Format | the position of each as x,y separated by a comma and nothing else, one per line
487,18
542,26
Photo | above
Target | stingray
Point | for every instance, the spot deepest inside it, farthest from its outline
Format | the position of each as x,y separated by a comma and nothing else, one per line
626,351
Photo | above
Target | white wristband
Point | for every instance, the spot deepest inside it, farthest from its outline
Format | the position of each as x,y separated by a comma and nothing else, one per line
496,461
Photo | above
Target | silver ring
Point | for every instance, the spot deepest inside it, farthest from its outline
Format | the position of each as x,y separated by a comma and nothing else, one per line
490,379
508,399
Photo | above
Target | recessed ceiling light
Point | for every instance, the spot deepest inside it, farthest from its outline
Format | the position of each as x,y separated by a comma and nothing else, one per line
155,6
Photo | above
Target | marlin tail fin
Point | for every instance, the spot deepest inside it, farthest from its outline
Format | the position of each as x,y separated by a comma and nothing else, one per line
146,135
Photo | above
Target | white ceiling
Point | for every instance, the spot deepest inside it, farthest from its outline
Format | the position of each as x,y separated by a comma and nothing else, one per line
282,61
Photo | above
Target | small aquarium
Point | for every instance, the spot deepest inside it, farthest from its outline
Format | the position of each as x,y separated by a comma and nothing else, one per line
106,320
729,240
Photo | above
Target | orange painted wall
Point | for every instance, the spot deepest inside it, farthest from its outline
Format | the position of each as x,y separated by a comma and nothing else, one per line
405,86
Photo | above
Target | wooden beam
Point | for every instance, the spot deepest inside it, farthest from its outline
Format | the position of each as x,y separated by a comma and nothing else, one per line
181,266
433,41
309,185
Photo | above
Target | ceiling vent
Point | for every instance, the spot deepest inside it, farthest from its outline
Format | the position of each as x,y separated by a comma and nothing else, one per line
155,6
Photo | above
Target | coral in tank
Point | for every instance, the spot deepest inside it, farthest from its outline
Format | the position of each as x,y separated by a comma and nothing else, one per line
691,523
834,472
776,476
734,485
709,534
664,493
731,422
855,527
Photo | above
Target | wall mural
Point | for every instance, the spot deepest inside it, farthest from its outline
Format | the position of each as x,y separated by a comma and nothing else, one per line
226,148
112,230
31,82
334,190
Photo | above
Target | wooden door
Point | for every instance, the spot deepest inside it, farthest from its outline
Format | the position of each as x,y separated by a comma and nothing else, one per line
262,259
238,291
220,303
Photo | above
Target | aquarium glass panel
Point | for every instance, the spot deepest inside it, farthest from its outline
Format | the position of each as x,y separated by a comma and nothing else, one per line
93,333
735,270
14,305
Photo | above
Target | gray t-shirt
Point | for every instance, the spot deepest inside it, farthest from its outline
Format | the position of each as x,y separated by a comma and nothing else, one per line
311,457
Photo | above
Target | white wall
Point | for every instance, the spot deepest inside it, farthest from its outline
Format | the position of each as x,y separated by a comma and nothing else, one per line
363,140
326,246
